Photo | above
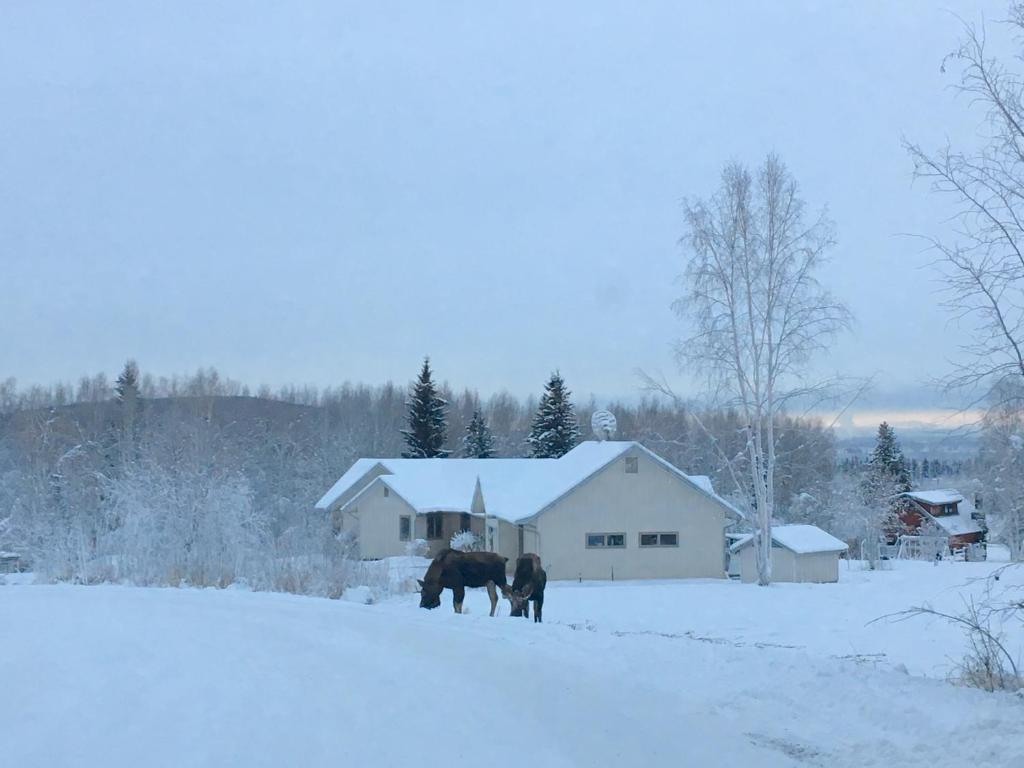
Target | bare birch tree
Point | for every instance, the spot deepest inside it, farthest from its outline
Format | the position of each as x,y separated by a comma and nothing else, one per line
758,312
983,260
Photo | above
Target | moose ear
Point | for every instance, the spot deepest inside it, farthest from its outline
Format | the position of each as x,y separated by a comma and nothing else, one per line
421,582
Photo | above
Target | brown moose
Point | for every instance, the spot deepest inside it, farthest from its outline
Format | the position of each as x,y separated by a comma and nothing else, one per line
528,585
456,570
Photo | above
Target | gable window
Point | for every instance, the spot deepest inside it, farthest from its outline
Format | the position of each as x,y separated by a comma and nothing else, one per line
404,528
632,465
659,540
464,522
435,526
606,540
387,491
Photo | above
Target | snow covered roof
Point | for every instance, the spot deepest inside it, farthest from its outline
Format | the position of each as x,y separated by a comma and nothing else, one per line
937,497
955,525
802,539
512,489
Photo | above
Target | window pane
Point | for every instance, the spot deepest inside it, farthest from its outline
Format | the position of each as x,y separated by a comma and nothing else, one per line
595,539
669,539
648,539
403,528
616,540
631,465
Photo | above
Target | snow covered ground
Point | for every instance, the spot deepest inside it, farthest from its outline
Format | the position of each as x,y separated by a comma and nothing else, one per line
701,674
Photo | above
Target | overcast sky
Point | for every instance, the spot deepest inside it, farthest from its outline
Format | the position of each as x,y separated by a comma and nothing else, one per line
315,192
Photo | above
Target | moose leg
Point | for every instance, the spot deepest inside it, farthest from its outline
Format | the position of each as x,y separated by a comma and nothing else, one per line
537,606
526,609
458,595
492,593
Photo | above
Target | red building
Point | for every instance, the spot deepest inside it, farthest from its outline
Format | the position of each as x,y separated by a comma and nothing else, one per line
939,513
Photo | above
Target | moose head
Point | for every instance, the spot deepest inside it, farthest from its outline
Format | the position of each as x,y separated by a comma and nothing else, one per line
430,594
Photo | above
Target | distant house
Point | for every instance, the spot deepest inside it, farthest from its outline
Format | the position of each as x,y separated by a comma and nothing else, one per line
605,510
11,562
940,514
802,553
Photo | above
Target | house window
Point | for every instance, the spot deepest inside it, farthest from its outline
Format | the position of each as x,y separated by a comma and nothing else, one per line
948,509
632,465
464,522
606,540
434,526
387,491
404,528
659,540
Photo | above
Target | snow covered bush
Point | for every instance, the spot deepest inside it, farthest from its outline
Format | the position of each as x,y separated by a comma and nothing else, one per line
417,548
465,541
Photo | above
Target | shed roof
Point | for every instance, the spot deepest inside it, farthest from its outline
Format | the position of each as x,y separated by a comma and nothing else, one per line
513,489
801,539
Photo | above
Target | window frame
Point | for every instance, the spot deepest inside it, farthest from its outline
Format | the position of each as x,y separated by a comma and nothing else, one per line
407,521
632,465
604,538
659,535
435,518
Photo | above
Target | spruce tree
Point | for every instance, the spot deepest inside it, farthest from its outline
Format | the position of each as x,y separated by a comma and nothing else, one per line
555,429
127,386
129,404
478,443
886,477
427,430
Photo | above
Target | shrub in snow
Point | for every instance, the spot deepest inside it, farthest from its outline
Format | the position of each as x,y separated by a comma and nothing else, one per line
417,548
465,541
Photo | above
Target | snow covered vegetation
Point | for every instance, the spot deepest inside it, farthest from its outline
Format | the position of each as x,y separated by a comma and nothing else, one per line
707,673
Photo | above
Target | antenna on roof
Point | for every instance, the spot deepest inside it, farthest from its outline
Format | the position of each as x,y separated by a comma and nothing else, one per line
603,423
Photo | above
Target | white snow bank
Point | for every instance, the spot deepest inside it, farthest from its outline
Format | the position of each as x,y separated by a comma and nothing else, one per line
704,673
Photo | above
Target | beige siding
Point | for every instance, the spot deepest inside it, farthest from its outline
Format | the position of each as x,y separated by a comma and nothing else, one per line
652,500
787,566
376,523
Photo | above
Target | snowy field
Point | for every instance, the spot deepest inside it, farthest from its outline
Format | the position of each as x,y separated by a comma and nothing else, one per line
695,673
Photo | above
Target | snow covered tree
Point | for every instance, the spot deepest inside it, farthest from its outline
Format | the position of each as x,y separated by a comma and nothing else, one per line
427,429
759,313
127,387
555,429
478,442
885,479
887,461
129,404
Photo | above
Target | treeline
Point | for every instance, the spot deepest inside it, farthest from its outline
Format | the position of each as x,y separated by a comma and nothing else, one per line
198,479
923,469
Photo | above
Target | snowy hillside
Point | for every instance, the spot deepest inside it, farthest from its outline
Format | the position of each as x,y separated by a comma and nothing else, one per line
117,676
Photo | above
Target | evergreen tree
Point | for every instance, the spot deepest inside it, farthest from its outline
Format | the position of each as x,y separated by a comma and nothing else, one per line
926,469
427,430
887,459
555,429
478,442
129,404
127,386
886,477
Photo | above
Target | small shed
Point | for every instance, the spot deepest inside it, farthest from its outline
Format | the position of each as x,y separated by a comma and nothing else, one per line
803,553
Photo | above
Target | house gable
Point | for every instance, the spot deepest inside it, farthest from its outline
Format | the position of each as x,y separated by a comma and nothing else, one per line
630,507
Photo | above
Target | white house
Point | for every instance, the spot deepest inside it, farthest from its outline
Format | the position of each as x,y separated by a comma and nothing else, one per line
799,553
605,510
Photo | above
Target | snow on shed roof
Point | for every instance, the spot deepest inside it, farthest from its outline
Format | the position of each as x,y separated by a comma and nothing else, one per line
513,489
945,496
802,539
